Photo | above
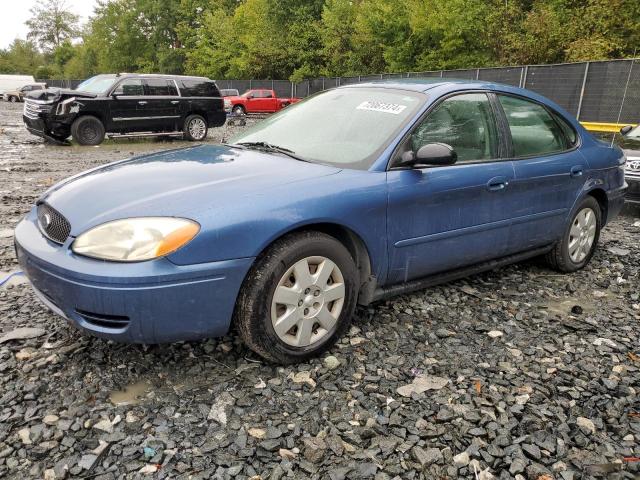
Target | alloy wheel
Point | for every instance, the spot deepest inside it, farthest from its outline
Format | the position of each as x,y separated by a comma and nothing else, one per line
307,302
197,128
582,235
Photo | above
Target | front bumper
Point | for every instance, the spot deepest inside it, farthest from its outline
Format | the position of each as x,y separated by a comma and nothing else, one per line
633,192
145,302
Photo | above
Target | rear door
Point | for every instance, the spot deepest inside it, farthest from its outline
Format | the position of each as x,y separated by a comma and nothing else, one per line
129,106
441,218
163,104
550,171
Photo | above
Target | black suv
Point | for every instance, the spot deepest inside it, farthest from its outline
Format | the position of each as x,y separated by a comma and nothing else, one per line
126,105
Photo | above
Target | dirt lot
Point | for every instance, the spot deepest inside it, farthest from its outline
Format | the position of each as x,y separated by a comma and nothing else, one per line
529,373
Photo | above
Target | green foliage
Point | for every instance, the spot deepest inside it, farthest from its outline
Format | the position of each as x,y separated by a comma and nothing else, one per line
297,40
51,24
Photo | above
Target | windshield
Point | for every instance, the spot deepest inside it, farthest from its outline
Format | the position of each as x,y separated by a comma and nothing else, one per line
345,127
97,84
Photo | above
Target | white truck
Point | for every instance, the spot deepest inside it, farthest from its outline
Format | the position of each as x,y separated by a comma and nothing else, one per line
14,82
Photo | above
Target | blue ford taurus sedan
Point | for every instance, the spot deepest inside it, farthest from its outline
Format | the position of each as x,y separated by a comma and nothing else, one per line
348,197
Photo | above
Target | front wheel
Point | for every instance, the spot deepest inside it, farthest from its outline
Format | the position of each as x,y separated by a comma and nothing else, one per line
298,299
87,130
238,110
195,128
580,239
13,99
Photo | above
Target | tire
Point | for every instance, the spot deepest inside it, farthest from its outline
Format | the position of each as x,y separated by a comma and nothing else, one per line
238,110
13,99
568,257
257,311
195,128
87,130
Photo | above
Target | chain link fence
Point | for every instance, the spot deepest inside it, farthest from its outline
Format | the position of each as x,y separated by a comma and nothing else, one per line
603,91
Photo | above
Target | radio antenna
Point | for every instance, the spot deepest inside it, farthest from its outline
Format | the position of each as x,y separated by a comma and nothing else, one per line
624,95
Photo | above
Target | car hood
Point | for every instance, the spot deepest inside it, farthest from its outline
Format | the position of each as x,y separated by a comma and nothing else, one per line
55,94
183,183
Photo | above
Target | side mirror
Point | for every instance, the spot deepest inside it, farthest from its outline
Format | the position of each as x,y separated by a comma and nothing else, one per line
436,154
626,129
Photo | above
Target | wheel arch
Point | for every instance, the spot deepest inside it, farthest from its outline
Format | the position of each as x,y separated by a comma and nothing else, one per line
351,240
603,200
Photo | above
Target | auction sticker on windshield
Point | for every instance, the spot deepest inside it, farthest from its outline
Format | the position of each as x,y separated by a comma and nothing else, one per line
374,106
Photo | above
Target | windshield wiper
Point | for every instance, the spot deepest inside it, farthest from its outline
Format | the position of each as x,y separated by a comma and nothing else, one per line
269,147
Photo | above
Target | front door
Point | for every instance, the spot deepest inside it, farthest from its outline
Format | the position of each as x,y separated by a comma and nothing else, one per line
549,172
440,218
129,106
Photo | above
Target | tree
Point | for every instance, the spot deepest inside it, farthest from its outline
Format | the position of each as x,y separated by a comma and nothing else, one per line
21,57
51,23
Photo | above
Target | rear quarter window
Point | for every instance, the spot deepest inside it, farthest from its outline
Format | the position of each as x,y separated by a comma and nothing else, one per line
198,88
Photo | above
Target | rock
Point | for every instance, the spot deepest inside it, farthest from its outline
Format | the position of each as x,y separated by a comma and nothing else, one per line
495,333
426,457
148,469
218,410
315,449
287,454
622,252
462,459
604,341
50,419
304,378
331,362
422,383
26,354
518,465
105,425
24,333
25,436
532,451
586,426
87,461
258,433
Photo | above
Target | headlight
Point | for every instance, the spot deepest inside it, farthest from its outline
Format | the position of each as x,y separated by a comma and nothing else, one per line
135,239
64,107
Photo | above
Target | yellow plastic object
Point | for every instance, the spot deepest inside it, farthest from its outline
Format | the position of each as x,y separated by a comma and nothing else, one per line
604,127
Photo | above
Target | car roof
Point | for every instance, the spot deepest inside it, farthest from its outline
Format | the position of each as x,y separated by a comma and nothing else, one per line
424,84
161,75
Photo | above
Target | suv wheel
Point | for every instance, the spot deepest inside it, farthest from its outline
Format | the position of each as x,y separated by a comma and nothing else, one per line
195,128
580,239
88,130
298,298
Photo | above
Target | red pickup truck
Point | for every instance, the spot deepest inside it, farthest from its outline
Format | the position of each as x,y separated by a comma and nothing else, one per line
257,101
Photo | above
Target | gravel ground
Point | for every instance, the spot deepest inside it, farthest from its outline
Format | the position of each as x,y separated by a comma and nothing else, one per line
518,373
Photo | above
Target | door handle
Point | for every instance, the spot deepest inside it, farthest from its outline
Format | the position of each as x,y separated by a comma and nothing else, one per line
142,102
497,184
175,101
577,171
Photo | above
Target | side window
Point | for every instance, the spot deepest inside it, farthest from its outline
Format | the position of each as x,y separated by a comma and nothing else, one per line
267,94
198,88
533,129
160,87
130,86
466,123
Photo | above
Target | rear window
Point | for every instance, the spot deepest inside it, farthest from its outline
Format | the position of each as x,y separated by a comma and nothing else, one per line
198,88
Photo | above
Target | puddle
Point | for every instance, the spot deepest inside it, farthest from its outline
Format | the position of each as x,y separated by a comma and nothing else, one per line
563,307
131,395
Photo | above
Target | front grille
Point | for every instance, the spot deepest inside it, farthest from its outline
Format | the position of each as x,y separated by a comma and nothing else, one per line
104,320
54,226
33,109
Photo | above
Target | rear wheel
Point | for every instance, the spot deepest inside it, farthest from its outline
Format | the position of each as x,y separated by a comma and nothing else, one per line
195,128
298,299
87,130
580,239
